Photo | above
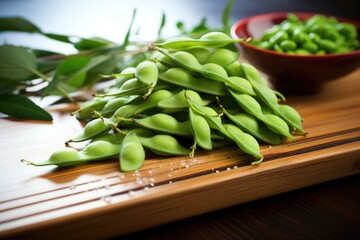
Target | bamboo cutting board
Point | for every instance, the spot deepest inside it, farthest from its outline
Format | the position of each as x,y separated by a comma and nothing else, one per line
97,201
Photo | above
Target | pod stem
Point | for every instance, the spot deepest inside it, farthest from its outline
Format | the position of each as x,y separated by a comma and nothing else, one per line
115,75
257,162
27,162
193,148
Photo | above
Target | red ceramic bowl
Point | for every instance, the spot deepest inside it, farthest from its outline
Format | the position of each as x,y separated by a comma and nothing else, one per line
291,73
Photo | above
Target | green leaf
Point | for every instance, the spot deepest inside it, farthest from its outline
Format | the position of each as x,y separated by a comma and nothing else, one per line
58,37
40,53
21,107
226,15
70,70
201,26
162,24
127,36
91,43
18,25
16,63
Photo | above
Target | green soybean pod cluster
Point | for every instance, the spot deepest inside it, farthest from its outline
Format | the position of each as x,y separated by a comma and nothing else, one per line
318,34
187,95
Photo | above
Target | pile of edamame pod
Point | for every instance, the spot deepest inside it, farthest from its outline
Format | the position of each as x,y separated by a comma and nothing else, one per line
187,94
317,35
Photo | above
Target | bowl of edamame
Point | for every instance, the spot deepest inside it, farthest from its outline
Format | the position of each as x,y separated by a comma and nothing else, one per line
300,52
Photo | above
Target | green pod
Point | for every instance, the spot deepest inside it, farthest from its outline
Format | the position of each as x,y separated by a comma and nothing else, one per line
100,149
252,74
163,144
151,102
132,154
250,125
211,116
93,129
200,53
95,151
213,71
183,59
200,130
208,40
222,57
245,142
248,104
126,74
112,105
180,100
269,97
130,87
184,78
234,69
240,84
293,116
277,125
86,109
115,138
147,73
62,157
165,123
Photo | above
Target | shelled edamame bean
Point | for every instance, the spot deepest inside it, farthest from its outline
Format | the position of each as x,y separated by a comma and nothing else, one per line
188,94
317,35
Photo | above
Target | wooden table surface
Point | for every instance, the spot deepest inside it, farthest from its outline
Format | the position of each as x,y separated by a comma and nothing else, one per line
185,196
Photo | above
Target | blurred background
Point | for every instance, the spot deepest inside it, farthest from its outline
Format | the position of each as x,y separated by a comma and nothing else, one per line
110,19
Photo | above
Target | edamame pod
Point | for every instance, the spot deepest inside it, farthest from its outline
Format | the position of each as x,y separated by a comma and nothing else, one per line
250,125
245,142
184,78
161,122
163,144
95,151
132,154
200,130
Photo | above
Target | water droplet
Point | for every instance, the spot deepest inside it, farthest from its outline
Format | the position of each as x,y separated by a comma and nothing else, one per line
235,167
106,199
72,187
131,193
228,169
171,169
217,171
139,181
152,184
137,173
187,166
170,182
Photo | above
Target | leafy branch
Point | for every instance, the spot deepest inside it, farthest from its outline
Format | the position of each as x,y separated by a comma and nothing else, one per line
62,75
